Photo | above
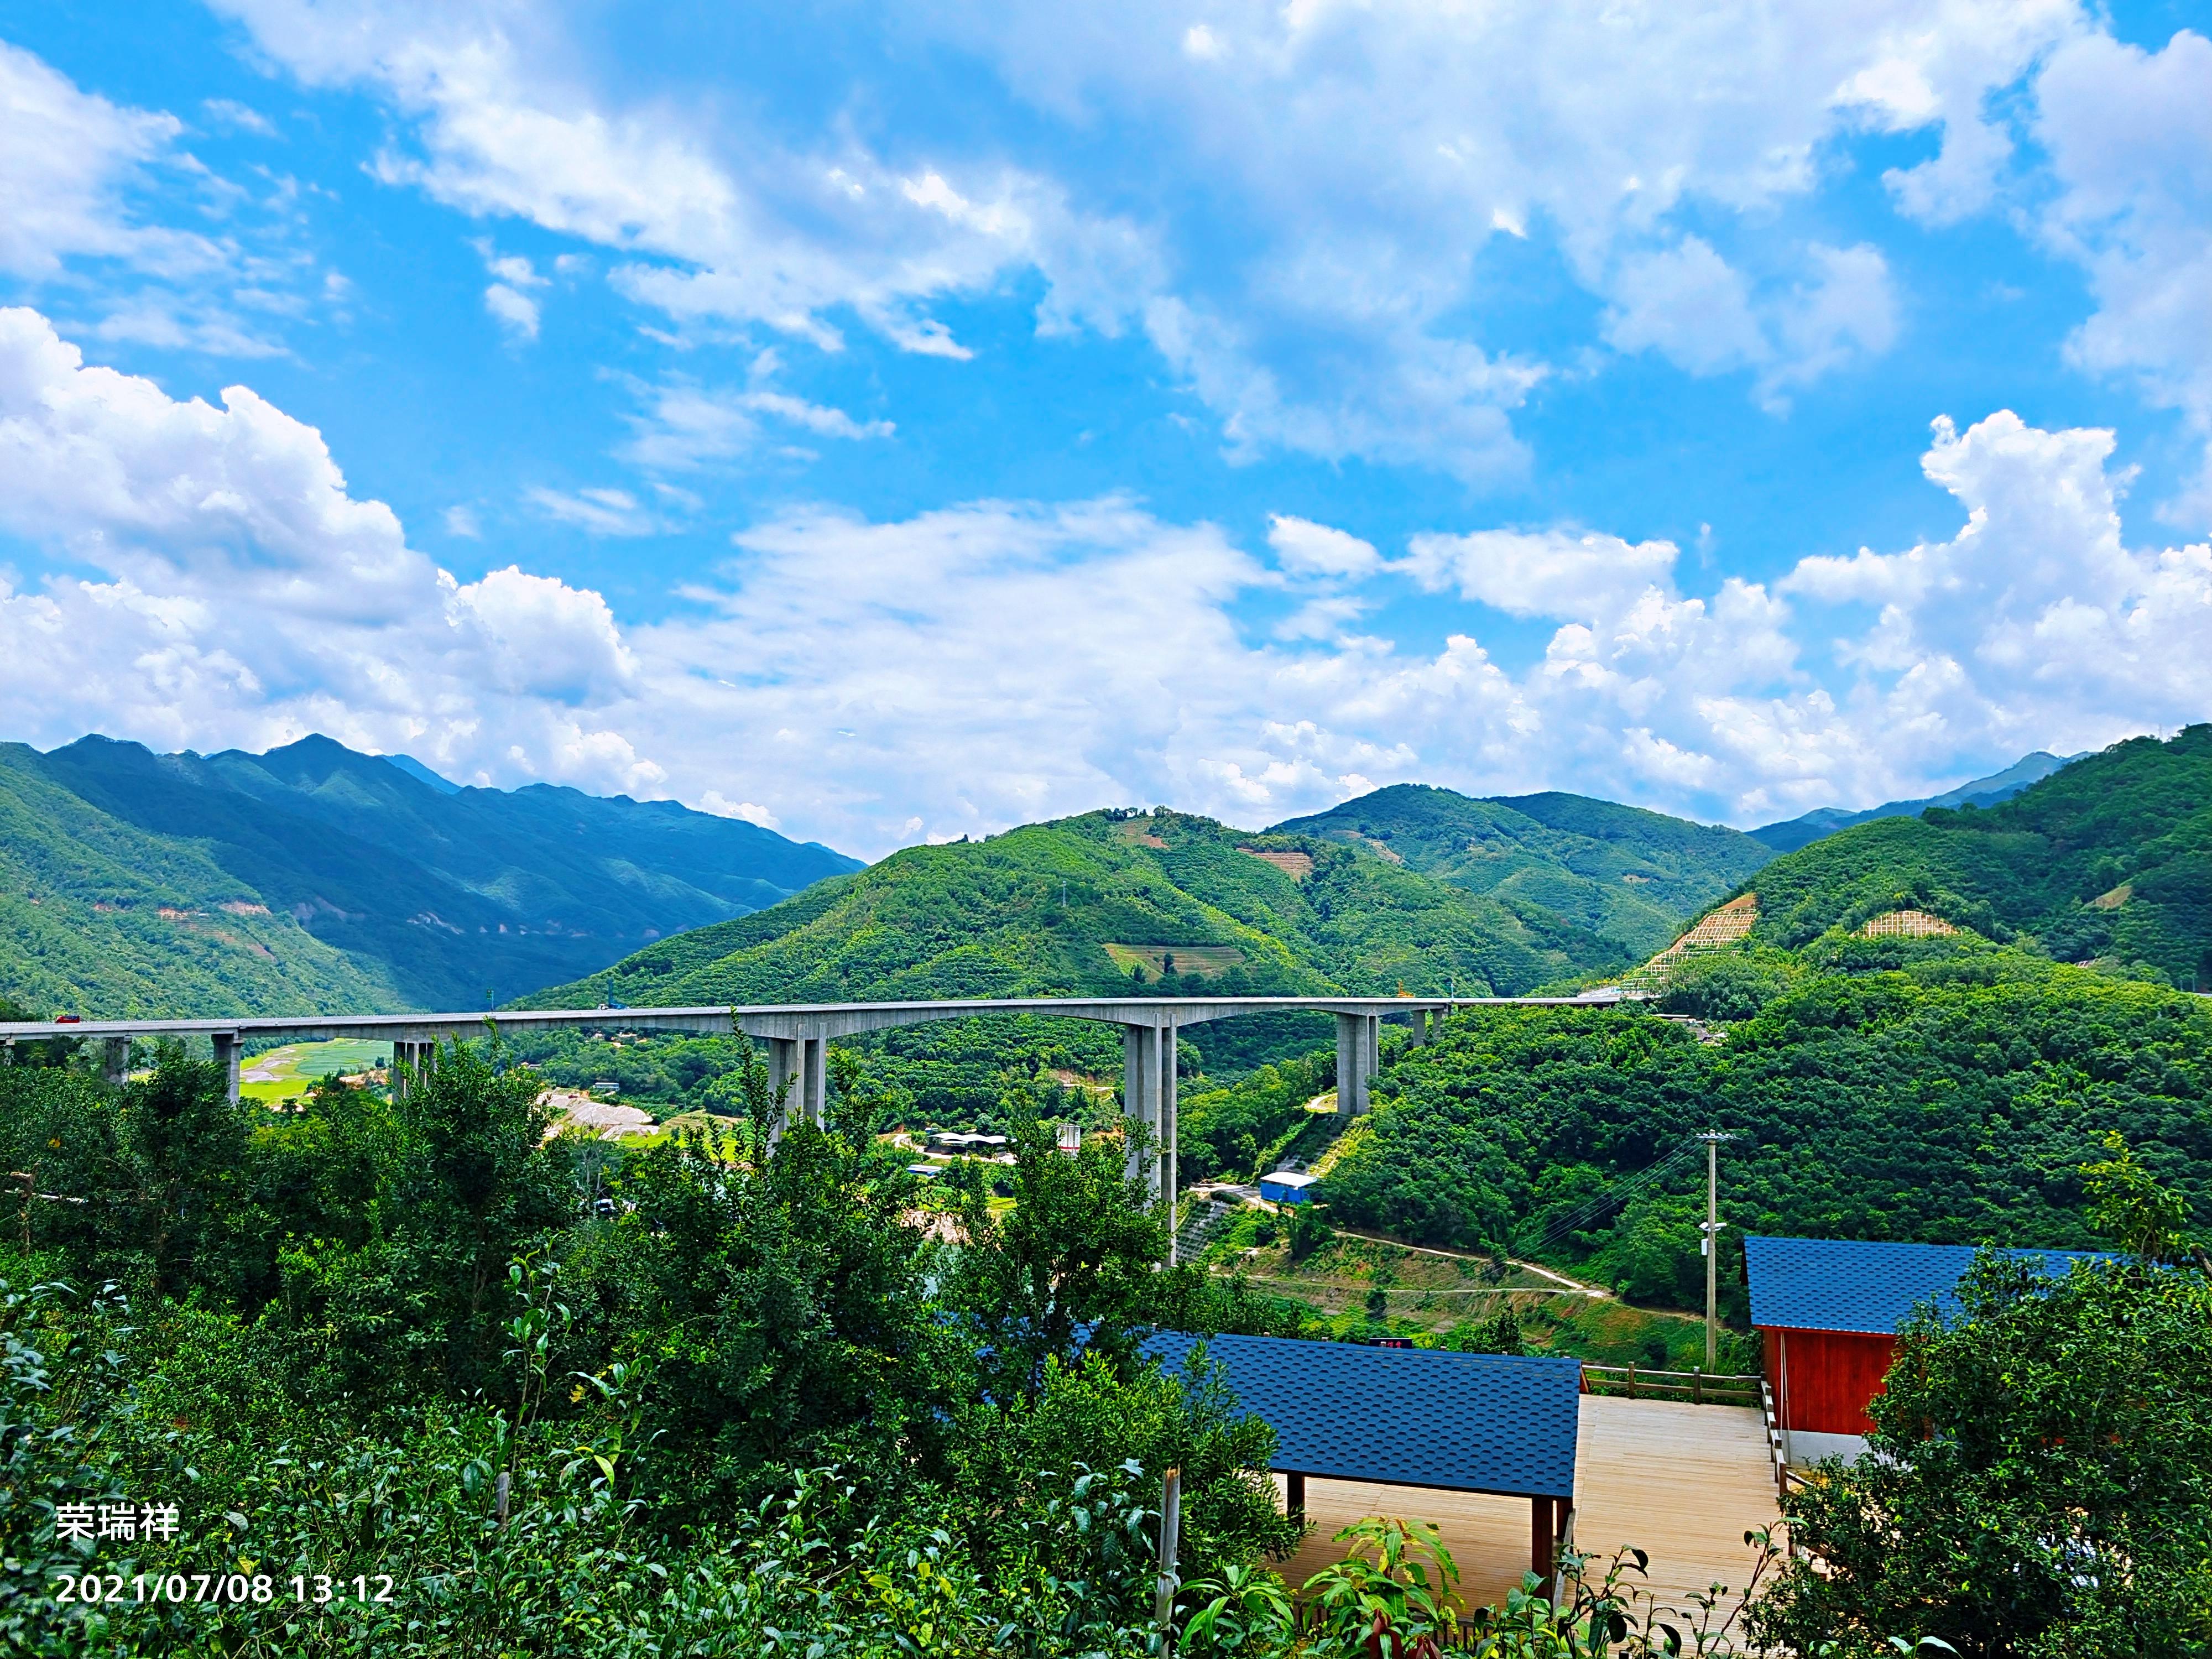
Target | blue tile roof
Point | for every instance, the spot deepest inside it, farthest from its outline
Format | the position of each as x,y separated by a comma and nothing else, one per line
1839,1285
1406,1417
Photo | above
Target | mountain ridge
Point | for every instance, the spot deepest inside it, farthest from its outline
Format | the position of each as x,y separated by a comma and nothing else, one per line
1625,871
2108,859
1788,835
436,896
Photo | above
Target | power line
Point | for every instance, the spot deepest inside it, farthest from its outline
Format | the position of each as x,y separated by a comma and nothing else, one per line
1583,1214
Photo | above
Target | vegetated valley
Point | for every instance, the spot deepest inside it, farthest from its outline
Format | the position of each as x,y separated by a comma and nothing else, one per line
691,1394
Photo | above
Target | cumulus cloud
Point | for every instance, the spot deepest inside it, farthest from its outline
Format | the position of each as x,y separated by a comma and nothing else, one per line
869,683
238,593
1307,549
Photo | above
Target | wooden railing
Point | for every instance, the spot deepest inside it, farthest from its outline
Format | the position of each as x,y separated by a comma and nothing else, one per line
1700,1387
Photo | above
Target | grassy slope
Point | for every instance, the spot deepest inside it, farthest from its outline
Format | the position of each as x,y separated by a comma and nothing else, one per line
81,930
1618,871
1031,912
2131,827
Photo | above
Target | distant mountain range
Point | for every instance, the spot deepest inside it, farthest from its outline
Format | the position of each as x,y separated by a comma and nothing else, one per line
313,876
1791,833
2109,857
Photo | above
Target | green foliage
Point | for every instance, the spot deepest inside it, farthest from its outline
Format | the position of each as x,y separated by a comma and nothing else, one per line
2110,858
1234,1133
100,916
1620,871
1933,1091
385,890
1032,911
2041,1482
1396,1580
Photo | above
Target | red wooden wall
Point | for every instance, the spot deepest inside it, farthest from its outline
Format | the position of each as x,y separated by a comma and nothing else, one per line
1823,1380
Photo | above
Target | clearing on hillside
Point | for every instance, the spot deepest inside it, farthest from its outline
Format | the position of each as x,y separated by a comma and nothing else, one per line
1191,961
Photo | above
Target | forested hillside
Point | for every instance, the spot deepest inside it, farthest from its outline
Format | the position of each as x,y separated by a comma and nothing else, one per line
1943,1091
1103,902
368,883
97,915
1626,874
2110,858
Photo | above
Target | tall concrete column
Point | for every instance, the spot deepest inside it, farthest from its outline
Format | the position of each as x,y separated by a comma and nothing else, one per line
115,1061
785,1064
1421,1027
1351,1042
1140,1092
814,1079
1168,1172
227,1046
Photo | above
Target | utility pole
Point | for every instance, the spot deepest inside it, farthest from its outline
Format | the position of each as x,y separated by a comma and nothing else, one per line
1709,1247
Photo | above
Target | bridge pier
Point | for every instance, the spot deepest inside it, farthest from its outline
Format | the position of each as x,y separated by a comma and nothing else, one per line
1148,1097
227,1047
115,1061
814,1079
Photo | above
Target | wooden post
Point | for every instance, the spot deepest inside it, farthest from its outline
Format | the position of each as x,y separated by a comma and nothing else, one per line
1294,1495
1541,1535
1632,1379
1697,1385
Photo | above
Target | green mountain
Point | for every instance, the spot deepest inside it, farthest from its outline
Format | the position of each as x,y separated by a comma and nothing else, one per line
100,916
2110,857
1942,1090
1791,833
1097,902
415,892
1618,870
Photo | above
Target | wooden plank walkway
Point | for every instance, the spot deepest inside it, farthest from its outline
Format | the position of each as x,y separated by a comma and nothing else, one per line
1681,1482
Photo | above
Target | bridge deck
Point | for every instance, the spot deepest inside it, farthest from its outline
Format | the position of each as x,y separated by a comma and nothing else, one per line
815,1019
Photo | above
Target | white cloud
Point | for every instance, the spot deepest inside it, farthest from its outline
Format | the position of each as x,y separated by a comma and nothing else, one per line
1307,549
1549,573
1363,158
237,118
239,593
716,802
685,426
73,159
602,511
977,666
462,521
2130,134
516,313
1689,303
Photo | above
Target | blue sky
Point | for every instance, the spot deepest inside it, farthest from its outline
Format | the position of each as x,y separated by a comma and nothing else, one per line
897,422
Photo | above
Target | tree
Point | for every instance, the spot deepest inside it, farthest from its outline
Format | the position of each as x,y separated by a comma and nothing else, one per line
1077,1250
2040,1480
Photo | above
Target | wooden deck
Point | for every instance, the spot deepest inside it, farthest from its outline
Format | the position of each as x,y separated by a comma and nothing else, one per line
1488,1537
1682,1482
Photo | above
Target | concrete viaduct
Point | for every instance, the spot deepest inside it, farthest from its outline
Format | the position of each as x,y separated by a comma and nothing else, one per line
799,1035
